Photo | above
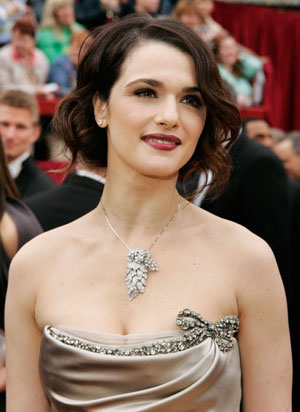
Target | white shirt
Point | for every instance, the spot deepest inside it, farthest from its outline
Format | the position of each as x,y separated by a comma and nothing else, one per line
15,166
91,175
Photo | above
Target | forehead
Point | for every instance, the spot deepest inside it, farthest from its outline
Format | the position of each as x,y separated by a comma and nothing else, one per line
284,147
228,41
63,8
19,34
258,126
15,115
158,60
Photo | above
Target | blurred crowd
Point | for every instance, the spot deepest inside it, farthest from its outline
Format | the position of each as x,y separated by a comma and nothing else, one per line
40,43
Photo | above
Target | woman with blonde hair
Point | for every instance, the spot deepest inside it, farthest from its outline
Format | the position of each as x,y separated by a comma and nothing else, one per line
57,27
186,11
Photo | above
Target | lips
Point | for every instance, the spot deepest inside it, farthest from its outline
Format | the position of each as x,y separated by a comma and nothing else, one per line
162,141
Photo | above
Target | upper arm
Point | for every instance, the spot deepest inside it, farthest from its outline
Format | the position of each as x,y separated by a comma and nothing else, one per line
264,336
24,388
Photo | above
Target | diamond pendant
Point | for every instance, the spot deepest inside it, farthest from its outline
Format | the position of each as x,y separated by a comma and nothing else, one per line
139,263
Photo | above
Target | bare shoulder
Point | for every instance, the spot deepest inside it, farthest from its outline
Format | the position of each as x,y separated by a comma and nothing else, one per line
246,251
45,250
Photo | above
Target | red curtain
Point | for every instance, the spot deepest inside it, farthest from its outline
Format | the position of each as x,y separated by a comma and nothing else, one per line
273,33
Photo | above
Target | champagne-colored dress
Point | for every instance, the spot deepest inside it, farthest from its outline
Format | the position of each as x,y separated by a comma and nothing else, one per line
194,369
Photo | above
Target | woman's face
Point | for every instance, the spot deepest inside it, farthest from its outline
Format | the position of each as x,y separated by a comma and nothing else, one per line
228,51
65,15
190,18
205,7
155,114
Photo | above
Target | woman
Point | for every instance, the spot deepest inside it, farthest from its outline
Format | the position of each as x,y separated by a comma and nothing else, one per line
10,11
57,26
17,226
187,12
22,65
148,103
237,67
63,69
197,14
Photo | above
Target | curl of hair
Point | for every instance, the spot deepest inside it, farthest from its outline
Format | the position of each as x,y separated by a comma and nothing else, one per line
99,69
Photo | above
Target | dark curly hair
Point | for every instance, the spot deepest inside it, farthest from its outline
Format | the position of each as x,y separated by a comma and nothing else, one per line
100,68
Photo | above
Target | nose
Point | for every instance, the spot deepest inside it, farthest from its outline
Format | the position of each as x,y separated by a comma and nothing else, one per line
167,114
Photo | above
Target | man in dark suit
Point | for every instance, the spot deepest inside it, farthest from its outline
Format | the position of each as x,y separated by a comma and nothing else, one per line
19,127
79,194
257,197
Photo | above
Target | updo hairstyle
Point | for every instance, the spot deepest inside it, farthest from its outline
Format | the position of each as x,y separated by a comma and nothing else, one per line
100,68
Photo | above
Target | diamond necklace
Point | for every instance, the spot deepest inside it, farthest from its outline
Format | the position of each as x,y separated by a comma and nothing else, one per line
139,260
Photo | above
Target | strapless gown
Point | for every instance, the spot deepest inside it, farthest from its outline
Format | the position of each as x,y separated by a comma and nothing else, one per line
194,369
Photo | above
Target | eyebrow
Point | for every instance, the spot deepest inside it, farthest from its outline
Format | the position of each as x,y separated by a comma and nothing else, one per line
157,83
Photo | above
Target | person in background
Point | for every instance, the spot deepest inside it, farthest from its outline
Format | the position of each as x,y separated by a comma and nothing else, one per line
237,67
187,12
10,11
37,7
63,69
57,27
277,135
19,127
146,6
259,130
22,65
17,226
79,193
208,28
144,107
288,151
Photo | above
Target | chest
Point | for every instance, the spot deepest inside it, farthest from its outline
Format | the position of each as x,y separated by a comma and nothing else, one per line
89,289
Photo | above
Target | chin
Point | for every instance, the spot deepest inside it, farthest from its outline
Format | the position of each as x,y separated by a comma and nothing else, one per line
160,172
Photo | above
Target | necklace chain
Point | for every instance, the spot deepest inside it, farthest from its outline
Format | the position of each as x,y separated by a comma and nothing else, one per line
157,236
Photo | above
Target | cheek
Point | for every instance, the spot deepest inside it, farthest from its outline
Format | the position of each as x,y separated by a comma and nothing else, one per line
129,116
195,125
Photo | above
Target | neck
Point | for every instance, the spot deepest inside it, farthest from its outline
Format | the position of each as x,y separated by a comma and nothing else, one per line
138,207
228,67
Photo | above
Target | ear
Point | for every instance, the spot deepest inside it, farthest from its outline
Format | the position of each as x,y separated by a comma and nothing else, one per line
36,133
100,111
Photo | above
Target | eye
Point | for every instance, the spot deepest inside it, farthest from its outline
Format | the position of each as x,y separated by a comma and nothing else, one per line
192,100
145,92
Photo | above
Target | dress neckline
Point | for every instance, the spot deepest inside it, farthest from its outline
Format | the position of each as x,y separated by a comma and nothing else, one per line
162,334
194,330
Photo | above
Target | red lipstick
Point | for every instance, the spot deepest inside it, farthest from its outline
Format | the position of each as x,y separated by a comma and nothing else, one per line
162,141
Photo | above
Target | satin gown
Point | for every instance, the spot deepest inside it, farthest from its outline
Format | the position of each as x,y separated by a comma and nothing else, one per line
194,369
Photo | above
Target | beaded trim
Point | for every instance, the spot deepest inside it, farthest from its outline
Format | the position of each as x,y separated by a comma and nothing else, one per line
198,329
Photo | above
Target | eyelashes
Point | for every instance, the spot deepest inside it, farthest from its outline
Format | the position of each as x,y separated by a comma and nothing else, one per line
145,92
190,100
